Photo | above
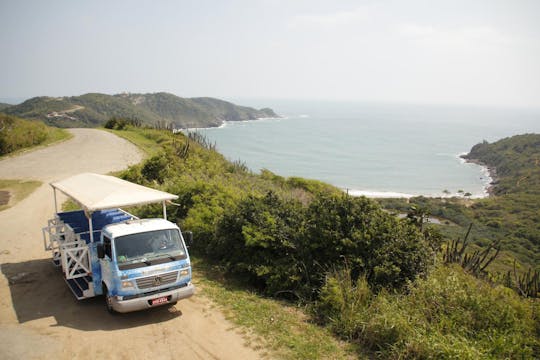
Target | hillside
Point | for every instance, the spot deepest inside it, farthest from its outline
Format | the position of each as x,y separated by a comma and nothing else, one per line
516,161
94,109
4,106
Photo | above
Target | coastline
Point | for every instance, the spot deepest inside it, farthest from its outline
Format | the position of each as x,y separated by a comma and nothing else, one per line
489,170
225,122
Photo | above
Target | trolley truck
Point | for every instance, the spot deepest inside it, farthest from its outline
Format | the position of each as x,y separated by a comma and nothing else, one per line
103,250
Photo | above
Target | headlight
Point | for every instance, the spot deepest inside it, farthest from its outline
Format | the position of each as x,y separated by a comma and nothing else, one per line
184,272
127,284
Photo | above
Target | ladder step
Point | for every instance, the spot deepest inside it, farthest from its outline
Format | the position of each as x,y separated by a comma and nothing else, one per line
79,285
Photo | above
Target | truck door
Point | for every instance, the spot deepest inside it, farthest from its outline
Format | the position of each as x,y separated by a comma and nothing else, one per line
106,273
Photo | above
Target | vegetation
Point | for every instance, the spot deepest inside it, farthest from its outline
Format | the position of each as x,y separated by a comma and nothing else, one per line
448,315
373,280
4,106
15,190
115,123
161,109
17,134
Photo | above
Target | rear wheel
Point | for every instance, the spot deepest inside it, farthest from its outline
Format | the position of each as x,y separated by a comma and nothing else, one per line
108,300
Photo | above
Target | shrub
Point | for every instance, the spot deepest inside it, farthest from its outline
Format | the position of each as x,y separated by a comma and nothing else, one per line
285,246
116,123
154,168
390,252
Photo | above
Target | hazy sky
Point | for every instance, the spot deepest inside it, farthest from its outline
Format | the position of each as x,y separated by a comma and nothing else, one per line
482,52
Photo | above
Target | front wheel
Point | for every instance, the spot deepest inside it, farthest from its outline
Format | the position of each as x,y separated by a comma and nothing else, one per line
108,300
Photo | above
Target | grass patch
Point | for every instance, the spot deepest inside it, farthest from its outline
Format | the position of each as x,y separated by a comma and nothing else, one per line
18,135
279,326
139,139
18,190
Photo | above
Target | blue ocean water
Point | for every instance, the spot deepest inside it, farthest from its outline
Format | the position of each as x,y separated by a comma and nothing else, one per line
372,149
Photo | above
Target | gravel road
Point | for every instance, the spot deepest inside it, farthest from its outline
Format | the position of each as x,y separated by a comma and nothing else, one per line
40,318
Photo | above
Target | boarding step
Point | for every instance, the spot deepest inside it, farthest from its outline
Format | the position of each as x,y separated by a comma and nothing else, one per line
81,287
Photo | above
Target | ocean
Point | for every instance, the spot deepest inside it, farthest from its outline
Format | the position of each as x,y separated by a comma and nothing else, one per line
372,149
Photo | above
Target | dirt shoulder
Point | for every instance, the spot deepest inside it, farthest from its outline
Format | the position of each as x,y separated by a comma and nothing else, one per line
40,318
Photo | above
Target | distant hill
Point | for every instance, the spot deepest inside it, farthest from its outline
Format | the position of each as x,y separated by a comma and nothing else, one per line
94,109
4,105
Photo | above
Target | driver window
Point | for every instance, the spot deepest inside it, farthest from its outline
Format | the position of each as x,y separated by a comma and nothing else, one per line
107,246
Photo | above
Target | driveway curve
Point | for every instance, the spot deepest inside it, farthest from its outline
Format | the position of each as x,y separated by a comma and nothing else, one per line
40,318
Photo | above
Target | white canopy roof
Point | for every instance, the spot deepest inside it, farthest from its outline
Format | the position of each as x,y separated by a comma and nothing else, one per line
98,192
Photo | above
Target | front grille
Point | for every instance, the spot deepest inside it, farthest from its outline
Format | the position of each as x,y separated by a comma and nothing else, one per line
160,291
157,280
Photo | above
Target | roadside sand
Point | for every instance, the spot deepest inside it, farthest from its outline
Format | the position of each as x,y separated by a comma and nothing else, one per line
40,318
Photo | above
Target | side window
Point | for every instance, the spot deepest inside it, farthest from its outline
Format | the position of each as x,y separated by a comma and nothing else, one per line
107,246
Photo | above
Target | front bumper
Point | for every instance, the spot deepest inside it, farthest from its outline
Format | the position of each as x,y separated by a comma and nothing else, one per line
145,302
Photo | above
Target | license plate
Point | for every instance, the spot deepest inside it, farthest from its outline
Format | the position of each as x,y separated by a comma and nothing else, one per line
160,300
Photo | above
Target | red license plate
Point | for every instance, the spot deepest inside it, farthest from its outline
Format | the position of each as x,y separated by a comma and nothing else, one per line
160,300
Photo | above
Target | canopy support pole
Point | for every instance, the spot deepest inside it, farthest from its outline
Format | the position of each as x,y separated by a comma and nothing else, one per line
55,202
91,228
164,211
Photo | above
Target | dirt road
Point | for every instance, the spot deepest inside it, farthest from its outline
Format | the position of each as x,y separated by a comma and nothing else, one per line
40,318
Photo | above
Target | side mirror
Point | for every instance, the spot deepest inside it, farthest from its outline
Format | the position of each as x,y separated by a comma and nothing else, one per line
188,238
100,251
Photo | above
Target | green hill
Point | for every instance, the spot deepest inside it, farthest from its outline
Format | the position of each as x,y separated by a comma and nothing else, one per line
516,161
94,109
4,106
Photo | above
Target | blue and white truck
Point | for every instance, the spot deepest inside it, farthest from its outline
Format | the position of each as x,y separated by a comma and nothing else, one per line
103,250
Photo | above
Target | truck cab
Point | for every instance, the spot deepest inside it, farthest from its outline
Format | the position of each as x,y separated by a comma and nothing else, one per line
144,263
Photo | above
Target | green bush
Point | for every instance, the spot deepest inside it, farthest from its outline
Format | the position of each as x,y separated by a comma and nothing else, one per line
116,123
283,245
155,168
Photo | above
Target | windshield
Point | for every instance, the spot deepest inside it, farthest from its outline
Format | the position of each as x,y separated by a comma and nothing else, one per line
148,246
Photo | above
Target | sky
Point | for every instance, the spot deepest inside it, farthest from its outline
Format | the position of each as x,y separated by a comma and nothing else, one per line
481,52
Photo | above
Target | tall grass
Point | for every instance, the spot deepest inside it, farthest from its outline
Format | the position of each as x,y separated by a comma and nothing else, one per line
449,314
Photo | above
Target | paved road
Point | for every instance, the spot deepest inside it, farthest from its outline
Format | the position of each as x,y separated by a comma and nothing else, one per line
39,318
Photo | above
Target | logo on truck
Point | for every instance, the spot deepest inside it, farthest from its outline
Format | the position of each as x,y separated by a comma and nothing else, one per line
157,281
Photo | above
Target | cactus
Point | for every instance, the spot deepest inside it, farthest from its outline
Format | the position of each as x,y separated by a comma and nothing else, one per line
475,263
181,150
528,285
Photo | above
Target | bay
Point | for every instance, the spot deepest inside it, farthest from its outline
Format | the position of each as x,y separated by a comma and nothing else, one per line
372,149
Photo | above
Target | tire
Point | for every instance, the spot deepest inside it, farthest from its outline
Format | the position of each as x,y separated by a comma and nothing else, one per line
108,300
